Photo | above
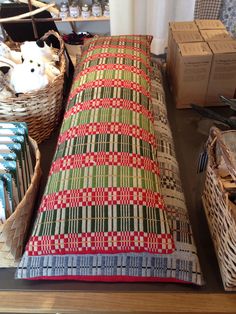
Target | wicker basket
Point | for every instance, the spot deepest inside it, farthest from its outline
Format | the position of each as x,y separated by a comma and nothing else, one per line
14,230
219,212
40,109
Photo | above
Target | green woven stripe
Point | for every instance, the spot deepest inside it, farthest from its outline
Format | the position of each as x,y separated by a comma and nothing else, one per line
108,115
109,92
106,143
99,176
99,218
111,74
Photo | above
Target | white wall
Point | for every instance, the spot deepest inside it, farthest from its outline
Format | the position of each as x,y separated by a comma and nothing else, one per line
149,17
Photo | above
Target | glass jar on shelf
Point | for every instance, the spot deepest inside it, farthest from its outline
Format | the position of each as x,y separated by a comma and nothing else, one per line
64,10
96,8
74,9
85,11
106,11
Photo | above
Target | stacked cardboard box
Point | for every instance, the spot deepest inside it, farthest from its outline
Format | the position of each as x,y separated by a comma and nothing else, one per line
222,80
209,24
214,34
192,69
201,62
180,37
185,29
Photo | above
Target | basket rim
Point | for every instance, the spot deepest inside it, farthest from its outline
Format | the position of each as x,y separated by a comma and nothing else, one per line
215,138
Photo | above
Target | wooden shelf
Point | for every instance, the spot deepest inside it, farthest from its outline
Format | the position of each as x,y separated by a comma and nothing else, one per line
81,19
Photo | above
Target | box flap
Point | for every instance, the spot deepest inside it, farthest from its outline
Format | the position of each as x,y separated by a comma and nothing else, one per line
194,49
215,34
210,24
183,26
187,36
224,46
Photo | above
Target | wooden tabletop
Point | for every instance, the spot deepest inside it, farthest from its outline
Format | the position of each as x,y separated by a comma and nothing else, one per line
111,302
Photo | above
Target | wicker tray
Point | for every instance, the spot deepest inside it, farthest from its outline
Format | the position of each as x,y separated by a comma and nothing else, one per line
42,109
220,215
14,230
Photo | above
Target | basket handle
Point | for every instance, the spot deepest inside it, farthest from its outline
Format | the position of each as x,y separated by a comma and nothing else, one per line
62,45
216,136
28,14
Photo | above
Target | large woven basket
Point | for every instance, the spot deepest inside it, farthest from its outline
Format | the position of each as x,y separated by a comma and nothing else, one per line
13,232
40,109
219,212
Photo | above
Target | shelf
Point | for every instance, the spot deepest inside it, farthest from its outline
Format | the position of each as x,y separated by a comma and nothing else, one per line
81,19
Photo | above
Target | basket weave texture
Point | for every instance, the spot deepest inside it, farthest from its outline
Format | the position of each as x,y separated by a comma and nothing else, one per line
13,231
41,109
220,215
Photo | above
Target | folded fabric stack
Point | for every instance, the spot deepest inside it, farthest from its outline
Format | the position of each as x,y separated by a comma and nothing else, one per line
103,215
16,167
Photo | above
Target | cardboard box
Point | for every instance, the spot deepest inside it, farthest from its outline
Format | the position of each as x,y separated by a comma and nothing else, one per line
179,38
209,24
222,79
193,64
215,34
176,37
174,27
183,26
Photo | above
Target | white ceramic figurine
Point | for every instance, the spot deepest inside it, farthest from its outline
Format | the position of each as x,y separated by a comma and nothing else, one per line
28,76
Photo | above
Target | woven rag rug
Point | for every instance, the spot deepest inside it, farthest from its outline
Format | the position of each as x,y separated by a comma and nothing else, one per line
180,266
103,215
183,264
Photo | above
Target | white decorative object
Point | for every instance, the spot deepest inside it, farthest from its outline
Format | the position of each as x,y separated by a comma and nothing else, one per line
96,9
64,10
85,12
38,50
28,76
74,9
106,11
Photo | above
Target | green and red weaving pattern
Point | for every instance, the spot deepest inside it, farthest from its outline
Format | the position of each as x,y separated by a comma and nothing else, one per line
103,191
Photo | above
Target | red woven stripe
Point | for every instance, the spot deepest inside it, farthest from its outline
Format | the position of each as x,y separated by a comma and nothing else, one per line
101,196
100,242
120,47
104,158
119,83
107,128
132,39
115,55
110,103
111,279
